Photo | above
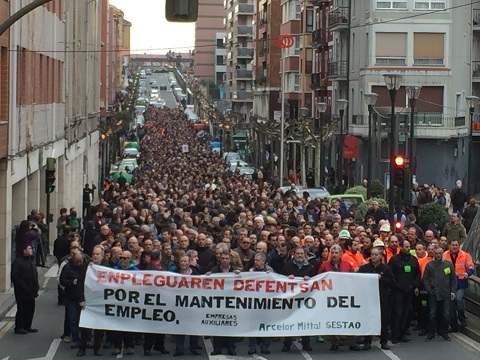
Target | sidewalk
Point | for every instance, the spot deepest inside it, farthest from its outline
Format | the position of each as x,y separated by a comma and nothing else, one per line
7,299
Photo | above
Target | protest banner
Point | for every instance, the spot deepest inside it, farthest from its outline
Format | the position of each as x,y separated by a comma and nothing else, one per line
248,304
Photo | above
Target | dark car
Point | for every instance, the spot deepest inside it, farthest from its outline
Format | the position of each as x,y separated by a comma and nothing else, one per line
163,87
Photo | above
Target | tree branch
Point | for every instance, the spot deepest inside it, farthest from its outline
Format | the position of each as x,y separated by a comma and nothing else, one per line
21,13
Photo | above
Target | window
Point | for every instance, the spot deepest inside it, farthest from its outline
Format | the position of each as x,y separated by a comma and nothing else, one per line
298,12
220,60
430,4
396,4
428,49
297,44
391,49
309,27
220,44
296,86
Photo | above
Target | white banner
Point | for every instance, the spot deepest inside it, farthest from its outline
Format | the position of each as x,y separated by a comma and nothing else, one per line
248,304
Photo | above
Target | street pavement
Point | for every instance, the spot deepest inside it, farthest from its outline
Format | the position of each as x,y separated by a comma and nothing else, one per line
162,79
47,345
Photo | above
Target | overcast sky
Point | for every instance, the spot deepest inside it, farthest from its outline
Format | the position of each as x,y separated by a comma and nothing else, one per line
150,32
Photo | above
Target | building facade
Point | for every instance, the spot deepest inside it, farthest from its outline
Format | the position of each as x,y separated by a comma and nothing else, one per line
356,42
50,105
210,22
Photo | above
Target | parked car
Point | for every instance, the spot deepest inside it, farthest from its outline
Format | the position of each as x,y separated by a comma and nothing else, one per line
229,156
163,88
148,72
351,201
247,171
314,193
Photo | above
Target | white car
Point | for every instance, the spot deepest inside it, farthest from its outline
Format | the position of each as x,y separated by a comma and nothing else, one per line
153,93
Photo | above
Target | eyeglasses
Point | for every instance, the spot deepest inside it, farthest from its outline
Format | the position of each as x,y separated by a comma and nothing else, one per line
124,258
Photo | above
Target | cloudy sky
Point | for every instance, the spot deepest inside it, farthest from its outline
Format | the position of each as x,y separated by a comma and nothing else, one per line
150,32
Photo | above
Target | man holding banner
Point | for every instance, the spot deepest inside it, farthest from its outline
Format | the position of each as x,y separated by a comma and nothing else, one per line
298,267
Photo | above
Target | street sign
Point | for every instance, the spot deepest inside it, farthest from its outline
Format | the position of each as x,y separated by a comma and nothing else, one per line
184,148
277,116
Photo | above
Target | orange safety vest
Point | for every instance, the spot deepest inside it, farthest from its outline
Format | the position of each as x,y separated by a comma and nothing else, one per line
389,253
463,263
423,263
356,260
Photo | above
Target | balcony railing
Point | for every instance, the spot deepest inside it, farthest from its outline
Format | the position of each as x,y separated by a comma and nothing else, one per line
476,70
244,9
245,52
428,62
420,120
319,38
318,81
390,61
244,74
244,30
242,95
338,18
262,22
337,69
476,19
319,2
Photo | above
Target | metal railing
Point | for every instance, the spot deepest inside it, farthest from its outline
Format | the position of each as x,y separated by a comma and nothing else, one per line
242,95
244,74
390,61
337,69
319,37
428,62
245,52
476,69
244,9
420,120
338,17
318,81
244,30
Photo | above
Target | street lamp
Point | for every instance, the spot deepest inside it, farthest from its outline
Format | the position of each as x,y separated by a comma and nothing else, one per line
371,100
321,108
341,106
472,101
392,81
413,92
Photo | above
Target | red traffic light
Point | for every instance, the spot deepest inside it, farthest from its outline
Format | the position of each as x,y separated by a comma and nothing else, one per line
399,160
398,226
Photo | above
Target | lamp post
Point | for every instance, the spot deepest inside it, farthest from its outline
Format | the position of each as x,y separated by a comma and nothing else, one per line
371,100
321,108
472,101
303,171
341,106
413,92
392,81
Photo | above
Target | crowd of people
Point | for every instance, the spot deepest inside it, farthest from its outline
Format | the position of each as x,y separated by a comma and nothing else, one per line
186,212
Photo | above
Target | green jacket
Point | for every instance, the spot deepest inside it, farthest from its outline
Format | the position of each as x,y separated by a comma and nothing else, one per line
455,232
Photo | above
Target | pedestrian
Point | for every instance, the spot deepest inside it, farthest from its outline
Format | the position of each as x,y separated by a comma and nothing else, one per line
87,199
454,230
24,277
386,283
469,214
464,267
406,273
459,198
440,283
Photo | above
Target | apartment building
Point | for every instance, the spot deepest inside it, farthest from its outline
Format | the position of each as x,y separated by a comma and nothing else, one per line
356,42
211,14
50,106
220,58
240,46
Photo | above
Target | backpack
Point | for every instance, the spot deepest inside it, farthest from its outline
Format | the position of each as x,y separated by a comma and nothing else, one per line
74,223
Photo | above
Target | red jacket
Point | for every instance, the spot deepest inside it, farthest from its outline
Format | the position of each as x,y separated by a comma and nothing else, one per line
344,266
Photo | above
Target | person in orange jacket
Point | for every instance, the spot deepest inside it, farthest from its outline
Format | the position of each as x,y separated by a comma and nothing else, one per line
463,264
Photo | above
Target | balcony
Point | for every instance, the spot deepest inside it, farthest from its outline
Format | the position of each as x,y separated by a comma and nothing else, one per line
244,74
390,61
319,2
476,20
319,38
243,31
262,22
427,125
338,19
318,81
428,62
242,96
261,80
244,53
476,71
337,70
244,9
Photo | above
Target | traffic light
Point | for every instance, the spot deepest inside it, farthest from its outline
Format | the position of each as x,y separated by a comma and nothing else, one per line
398,226
399,171
181,10
50,176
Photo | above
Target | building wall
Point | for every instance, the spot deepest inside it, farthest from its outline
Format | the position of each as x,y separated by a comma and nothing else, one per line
4,95
54,104
210,21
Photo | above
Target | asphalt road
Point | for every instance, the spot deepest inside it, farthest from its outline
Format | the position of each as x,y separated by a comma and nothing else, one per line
47,345
162,79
